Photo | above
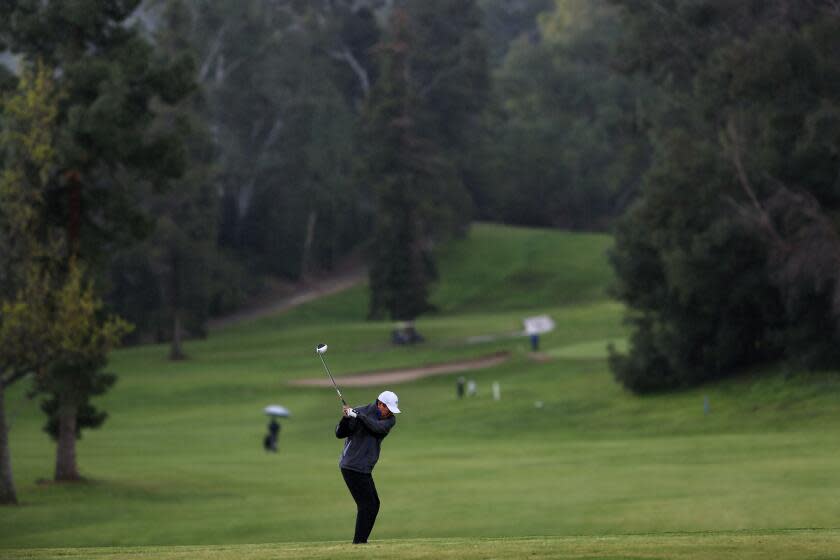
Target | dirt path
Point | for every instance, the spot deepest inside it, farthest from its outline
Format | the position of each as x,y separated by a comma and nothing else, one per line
402,375
287,297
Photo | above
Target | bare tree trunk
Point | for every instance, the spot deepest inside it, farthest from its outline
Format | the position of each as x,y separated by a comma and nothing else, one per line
361,74
306,258
65,456
7,484
733,147
176,351
75,224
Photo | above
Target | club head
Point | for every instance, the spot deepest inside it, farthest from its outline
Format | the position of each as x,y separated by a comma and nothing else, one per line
321,348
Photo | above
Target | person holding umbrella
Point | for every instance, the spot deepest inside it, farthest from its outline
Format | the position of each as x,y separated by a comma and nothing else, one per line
274,412
364,428
270,440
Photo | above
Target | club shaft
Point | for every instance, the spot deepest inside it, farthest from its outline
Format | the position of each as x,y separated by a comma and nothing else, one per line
327,369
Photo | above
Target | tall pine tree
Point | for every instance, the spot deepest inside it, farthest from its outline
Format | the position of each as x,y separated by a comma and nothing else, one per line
30,249
419,120
110,77
403,168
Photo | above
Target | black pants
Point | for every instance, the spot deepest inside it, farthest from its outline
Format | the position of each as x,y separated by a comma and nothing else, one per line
364,493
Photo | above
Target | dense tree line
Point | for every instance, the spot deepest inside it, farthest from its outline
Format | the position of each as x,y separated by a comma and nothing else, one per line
565,140
263,167
729,257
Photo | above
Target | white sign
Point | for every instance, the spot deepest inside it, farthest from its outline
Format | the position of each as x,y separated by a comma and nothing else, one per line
538,325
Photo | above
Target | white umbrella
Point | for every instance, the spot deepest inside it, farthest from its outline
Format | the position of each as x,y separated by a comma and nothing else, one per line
277,410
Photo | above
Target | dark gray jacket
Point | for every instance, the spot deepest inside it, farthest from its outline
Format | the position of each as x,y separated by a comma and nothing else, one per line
364,438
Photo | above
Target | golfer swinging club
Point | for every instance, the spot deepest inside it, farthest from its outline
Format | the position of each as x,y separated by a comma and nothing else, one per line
365,428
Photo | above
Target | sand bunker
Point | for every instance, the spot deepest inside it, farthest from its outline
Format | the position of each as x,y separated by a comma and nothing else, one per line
392,376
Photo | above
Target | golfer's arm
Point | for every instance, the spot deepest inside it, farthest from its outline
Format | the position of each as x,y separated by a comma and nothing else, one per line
379,427
344,428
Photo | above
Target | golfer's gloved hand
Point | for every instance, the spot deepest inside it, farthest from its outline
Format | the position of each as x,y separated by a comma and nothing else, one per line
349,412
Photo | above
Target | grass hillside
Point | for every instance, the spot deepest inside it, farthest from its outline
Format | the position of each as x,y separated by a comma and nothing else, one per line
566,464
502,268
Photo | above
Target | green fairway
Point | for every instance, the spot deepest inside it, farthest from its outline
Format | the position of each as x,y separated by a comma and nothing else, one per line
565,465
779,545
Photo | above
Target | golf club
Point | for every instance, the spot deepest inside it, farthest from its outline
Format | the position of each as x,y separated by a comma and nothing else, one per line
321,349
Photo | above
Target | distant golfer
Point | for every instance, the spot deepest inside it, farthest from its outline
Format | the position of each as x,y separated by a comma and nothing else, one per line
365,428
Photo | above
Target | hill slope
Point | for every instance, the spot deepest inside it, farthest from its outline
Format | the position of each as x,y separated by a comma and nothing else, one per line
505,268
564,452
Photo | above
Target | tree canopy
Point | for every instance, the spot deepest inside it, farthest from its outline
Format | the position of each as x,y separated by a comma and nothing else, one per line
729,256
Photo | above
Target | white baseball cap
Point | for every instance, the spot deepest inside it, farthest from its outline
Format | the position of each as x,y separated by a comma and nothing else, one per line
389,399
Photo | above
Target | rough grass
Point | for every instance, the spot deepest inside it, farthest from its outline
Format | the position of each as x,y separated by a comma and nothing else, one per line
566,464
